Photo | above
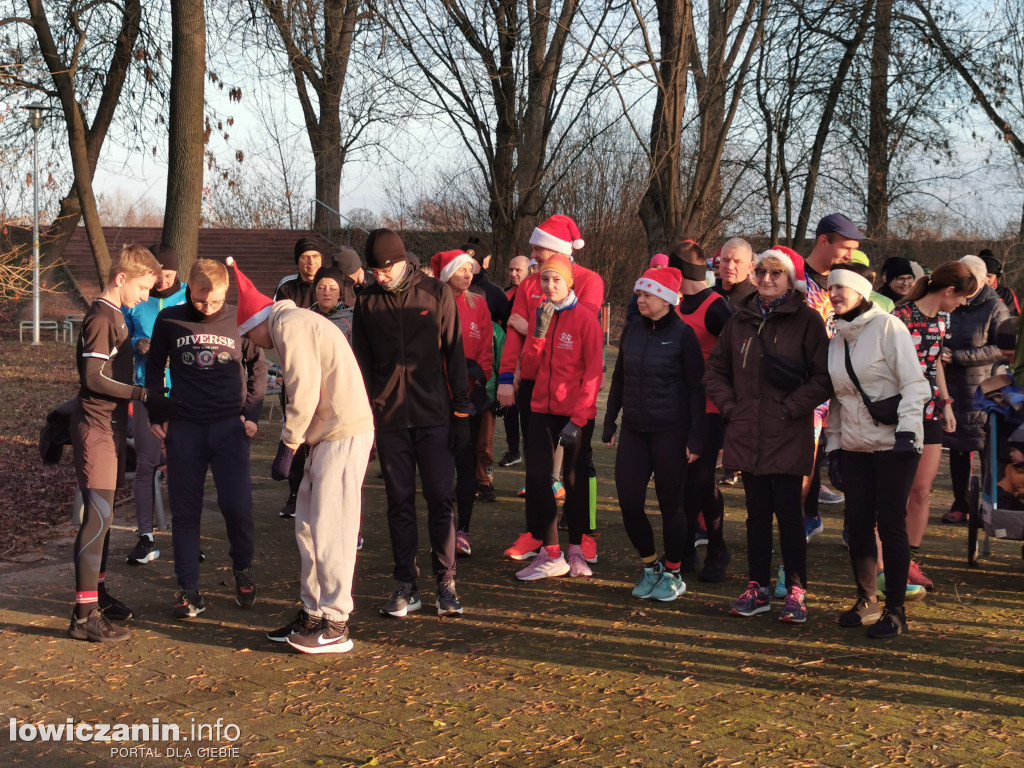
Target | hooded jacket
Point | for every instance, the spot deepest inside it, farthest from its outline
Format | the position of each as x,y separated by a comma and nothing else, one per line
326,396
884,358
769,431
140,319
972,340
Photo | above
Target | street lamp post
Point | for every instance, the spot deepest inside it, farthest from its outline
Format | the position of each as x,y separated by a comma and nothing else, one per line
36,113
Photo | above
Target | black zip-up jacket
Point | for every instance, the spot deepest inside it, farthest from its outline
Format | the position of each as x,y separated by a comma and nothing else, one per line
298,290
409,348
497,302
657,380
214,373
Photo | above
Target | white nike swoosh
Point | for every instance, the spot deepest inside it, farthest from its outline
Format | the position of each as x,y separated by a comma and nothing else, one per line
665,342
320,640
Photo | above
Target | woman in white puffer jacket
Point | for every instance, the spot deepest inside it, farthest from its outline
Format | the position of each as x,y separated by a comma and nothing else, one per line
878,460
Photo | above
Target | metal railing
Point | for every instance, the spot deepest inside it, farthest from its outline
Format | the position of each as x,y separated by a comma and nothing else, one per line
348,230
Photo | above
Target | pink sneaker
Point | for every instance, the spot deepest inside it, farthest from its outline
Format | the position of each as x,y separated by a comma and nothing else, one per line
577,565
525,547
462,546
544,567
589,547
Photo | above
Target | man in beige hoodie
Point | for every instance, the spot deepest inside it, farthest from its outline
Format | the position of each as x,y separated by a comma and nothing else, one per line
327,410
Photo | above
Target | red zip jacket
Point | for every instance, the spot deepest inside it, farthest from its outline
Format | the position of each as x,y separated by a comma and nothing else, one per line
567,365
477,332
589,289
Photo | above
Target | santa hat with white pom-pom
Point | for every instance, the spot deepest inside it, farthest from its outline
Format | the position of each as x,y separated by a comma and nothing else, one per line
559,234
253,306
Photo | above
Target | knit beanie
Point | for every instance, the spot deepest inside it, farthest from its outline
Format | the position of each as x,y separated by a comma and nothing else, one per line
253,306
658,260
166,255
335,273
383,248
992,264
477,247
895,267
347,260
560,264
663,283
792,261
559,234
849,278
446,263
306,244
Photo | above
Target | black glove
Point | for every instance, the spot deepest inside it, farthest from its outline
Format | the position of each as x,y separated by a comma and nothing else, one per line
282,465
140,393
835,470
609,432
458,434
545,311
906,442
499,409
569,435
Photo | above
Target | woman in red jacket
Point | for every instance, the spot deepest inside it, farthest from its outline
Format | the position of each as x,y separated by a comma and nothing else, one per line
564,359
457,269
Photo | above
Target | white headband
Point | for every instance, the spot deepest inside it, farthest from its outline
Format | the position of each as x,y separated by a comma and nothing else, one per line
850,279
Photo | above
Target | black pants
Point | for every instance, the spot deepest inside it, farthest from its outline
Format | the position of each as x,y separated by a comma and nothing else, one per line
524,404
775,496
223,448
638,455
465,475
512,429
541,507
401,451
960,465
877,487
701,494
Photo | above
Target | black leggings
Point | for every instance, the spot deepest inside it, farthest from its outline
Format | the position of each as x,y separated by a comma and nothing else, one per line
960,465
465,474
93,538
877,487
639,454
541,507
700,493
775,496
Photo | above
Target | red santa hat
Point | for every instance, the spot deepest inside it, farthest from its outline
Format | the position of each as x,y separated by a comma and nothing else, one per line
446,263
253,306
559,234
792,261
663,283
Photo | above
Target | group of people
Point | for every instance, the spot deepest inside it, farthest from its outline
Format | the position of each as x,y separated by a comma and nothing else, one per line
416,366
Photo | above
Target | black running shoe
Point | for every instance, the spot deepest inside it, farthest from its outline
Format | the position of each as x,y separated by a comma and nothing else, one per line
510,459
327,637
190,604
111,606
486,492
144,551
405,598
96,627
245,587
302,622
447,600
288,510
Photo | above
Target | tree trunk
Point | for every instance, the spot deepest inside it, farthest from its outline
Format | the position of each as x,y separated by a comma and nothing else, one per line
878,134
661,208
186,143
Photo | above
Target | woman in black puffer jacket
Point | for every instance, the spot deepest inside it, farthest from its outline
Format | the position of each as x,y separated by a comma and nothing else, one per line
657,386
968,358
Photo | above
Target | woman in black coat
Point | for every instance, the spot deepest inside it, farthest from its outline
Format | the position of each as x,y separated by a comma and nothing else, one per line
969,357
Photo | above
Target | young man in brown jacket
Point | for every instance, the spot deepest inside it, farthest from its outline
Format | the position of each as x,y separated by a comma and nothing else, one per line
327,411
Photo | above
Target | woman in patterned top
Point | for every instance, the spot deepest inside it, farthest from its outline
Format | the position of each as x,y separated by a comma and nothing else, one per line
925,311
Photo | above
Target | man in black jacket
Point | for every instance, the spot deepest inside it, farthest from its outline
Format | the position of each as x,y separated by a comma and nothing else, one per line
406,337
299,287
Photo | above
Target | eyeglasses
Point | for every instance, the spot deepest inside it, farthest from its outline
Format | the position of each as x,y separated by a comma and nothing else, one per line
775,274
903,279
209,304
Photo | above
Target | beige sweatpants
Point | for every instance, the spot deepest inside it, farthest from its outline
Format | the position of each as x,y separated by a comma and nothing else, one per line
327,518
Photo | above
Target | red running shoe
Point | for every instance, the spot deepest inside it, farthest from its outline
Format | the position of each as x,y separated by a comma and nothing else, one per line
916,576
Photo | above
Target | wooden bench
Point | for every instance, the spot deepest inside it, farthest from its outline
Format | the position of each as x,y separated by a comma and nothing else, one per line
44,325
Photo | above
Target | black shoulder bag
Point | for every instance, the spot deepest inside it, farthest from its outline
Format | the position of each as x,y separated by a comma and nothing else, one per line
884,411
780,371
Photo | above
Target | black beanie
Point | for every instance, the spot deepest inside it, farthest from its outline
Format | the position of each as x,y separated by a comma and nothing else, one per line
306,244
348,260
335,273
384,248
992,264
166,255
895,267
477,247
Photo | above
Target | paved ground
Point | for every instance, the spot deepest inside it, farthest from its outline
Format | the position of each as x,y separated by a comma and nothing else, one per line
574,672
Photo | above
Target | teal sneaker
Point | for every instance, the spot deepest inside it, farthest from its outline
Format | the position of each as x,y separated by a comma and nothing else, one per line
780,583
650,576
914,591
669,587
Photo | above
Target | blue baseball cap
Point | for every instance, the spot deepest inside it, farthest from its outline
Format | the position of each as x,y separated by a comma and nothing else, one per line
836,222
